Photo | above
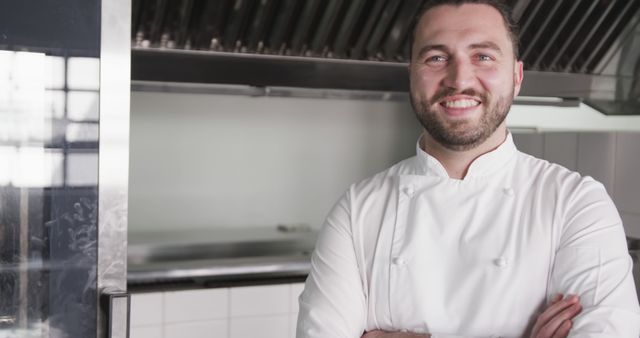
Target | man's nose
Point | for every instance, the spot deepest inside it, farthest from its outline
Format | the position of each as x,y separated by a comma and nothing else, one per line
459,75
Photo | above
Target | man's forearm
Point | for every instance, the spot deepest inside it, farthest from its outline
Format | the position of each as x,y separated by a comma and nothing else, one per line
384,334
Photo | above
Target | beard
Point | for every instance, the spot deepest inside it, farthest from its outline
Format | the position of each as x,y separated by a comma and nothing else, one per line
461,135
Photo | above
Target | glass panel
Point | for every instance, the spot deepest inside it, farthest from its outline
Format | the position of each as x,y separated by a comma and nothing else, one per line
83,106
83,73
49,83
48,195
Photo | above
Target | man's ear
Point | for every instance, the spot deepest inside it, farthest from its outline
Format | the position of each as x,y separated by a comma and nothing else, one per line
518,76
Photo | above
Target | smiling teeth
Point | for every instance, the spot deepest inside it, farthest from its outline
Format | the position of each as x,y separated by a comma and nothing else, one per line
461,104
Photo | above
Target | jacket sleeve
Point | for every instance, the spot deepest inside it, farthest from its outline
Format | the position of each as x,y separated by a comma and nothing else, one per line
593,262
333,302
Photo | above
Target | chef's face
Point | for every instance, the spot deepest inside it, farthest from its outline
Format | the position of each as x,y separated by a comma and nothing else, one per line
464,74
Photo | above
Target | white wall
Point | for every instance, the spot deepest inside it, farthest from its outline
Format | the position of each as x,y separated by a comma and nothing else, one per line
200,161
227,161
269,311
609,157
581,118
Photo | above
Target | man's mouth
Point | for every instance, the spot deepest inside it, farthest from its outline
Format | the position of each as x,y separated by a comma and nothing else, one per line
460,103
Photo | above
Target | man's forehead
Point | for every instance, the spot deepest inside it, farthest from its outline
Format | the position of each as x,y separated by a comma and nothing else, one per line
481,21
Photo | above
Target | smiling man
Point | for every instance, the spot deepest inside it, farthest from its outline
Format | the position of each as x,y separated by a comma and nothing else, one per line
470,237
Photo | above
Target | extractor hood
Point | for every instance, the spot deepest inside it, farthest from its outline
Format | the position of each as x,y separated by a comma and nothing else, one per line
573,49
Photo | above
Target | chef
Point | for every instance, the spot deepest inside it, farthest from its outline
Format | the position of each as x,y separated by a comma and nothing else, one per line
470,237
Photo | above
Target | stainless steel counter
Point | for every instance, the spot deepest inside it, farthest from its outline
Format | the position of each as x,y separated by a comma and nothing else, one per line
218,256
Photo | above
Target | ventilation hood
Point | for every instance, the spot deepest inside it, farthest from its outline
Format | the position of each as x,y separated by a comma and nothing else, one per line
586,50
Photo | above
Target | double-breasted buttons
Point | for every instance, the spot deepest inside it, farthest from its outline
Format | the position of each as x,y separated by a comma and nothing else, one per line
399,261
501,262
409,190
508,191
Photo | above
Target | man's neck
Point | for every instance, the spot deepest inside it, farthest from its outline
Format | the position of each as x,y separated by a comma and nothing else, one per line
457,163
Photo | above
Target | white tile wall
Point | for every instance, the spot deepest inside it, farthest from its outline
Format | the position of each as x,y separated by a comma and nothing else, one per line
204,329
296,290
268,311
597,156
191,305
260,300
249,160
148,309
530,143
627,183
561,148
293,321
631,223
146,331
611,158
261,326
271,311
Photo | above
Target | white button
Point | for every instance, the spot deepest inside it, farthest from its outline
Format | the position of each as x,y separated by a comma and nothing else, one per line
409,190
508,191
501,262
399,261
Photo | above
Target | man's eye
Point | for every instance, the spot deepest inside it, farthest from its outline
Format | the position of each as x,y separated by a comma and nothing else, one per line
483,57
436,59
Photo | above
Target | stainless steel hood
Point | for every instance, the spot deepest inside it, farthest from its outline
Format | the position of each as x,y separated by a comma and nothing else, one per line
574,49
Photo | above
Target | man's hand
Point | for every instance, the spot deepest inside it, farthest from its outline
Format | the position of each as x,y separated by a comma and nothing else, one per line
556,320
385,334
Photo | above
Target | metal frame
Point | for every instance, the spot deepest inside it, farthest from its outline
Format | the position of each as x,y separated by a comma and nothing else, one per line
358,50
606,37
282,26
575,31
584,43
545,24
200,67
400,28
239,20
626,34
325,27
258,28
336,94
113,167
304,27
382,26
555,35
531,18
519,8
345,31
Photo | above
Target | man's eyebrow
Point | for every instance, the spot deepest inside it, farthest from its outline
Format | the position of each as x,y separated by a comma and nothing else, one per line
425,49
486,45
480,45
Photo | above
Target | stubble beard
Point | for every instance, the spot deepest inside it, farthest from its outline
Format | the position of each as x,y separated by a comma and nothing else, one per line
463,134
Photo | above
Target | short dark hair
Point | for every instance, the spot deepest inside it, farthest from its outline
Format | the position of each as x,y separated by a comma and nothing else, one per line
505,11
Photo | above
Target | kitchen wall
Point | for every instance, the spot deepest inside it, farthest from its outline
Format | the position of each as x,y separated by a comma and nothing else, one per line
266,311
201,161
609,157
236,161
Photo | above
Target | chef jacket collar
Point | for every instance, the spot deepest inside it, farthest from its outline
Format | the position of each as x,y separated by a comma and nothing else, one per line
482,166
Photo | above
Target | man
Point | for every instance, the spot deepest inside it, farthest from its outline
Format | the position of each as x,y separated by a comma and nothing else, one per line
470,238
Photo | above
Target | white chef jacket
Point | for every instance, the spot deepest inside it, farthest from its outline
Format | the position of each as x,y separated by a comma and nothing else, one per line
411,249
